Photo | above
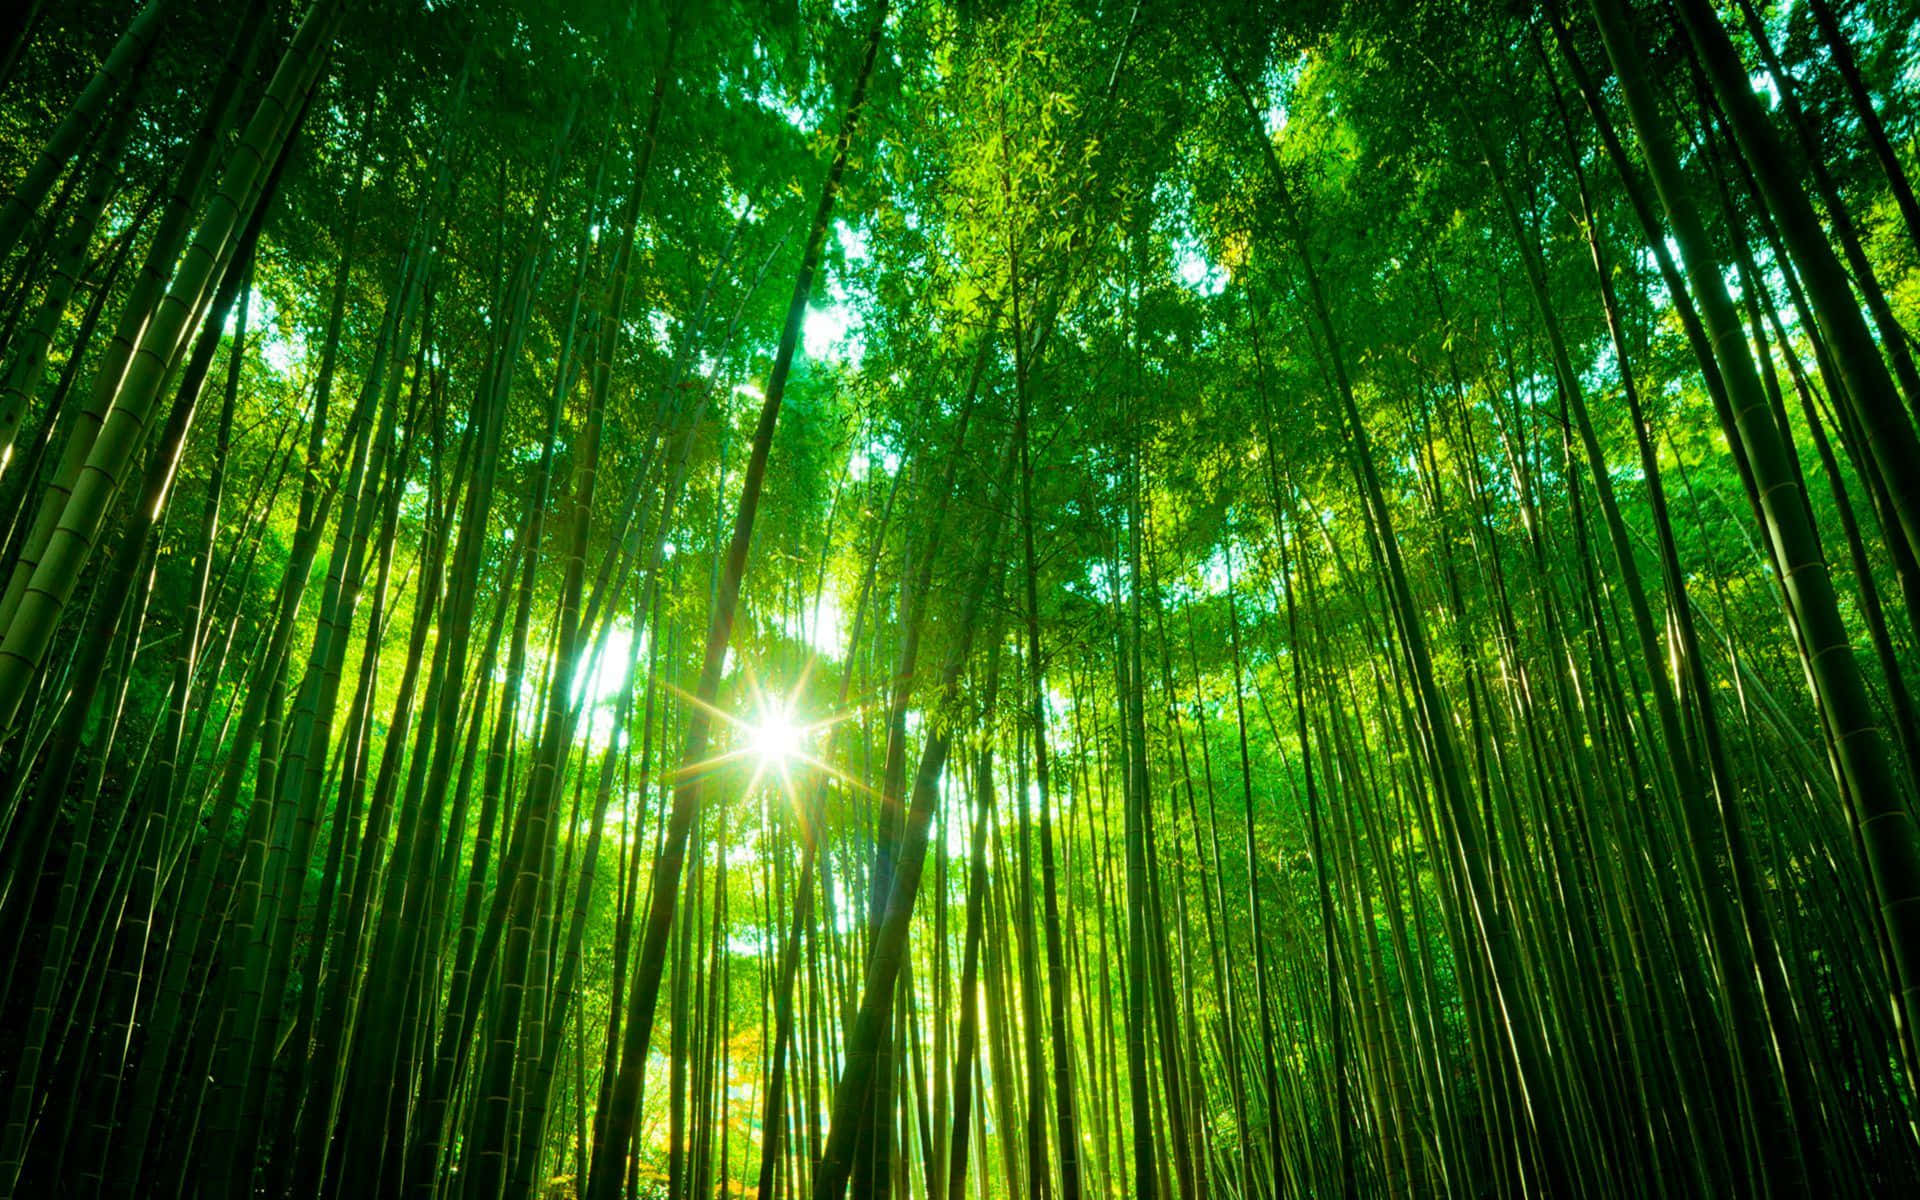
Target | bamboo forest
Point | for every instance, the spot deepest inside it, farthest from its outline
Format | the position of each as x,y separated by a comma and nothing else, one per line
1151,599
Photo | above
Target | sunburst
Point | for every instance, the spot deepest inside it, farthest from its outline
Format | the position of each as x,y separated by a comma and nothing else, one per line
776,739
773,732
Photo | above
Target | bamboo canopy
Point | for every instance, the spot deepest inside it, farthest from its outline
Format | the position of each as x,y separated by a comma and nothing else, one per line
618,599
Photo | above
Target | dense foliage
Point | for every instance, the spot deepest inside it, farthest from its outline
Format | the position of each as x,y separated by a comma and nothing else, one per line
1082,597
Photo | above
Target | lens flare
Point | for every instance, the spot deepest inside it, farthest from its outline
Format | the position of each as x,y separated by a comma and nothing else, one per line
776,740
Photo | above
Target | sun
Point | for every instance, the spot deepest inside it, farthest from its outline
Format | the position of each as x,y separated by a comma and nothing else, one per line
776,740
773,733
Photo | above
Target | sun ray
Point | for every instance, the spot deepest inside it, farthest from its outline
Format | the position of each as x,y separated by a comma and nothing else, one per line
798,737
